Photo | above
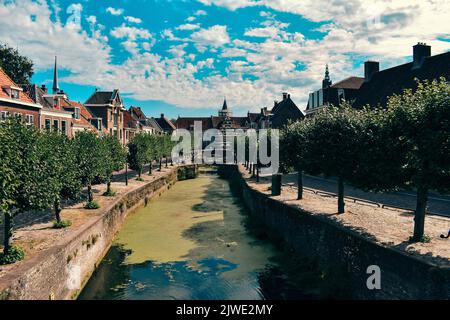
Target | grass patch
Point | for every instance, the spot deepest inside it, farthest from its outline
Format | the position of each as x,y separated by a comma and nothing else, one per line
93,205
424,239
109,193
140,179
15,254
62,225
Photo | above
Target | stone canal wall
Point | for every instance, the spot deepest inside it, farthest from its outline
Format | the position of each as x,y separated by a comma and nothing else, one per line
61,271
343,251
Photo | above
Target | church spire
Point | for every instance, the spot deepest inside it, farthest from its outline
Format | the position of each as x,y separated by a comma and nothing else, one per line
326,83
55,77
225,106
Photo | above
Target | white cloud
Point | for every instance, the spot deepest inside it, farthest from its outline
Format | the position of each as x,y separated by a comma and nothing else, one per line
214,36
200,13
188,26
114,12
131,33
133,19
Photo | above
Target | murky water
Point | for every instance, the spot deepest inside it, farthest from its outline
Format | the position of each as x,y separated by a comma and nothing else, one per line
195,243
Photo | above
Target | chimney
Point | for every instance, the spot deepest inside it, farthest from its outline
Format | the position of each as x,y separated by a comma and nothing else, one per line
420,52
162,115
44,88
370,68
285,96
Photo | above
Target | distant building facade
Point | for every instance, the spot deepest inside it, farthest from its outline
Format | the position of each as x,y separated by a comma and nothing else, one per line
282,112
333,94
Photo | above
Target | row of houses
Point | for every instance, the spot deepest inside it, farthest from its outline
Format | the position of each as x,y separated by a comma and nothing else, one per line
377,85
103,112
282,112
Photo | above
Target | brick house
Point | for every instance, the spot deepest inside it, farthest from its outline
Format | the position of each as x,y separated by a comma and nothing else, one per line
107,107
14,102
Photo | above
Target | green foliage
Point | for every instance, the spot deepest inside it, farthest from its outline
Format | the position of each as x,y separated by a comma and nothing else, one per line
62,225
90,155
115,155
15,254
19,68
144,148
406,145
92,205
424,239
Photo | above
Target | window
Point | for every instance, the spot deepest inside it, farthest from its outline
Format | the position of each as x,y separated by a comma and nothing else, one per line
77,114
15,94
3,116
47,124
127,135
55,125
100,124
64,127
29,118
120,132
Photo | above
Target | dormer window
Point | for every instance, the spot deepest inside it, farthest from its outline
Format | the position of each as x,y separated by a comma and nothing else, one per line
13,91
15,94
77,114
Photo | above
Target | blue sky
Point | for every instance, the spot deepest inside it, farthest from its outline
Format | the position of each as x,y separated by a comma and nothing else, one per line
181,57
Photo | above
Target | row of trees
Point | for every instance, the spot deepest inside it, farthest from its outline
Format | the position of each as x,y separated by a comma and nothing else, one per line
145,148
41,168
406,145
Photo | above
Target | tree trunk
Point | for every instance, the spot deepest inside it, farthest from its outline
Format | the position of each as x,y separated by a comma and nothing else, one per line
300,184
150,170
9,225
167,162
90,195
57,207
419,218
257,172
160,164
341,202
108,187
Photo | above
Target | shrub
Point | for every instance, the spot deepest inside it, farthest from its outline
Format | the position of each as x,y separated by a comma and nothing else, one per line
62,225
92,205
109,193
15,254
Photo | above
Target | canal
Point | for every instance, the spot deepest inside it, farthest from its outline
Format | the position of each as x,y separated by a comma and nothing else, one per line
195,242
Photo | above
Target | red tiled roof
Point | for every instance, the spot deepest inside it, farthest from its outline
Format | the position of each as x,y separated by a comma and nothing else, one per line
5,80
138,112
128,121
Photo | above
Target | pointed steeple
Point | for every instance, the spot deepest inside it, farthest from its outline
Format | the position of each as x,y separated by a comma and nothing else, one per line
326,83
225,106
55,77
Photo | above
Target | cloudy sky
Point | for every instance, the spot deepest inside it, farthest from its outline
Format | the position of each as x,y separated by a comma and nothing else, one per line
181,57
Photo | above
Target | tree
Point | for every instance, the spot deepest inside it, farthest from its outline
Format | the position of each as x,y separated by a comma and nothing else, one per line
90,157
152,142
57,174
19,68
292,150
332,145
138,153
17,178
115,157
420,122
